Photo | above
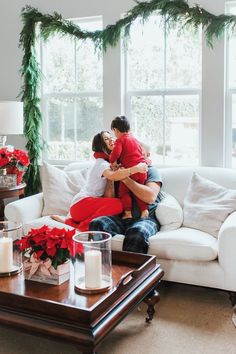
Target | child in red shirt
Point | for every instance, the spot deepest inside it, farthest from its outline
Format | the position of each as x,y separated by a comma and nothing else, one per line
129,153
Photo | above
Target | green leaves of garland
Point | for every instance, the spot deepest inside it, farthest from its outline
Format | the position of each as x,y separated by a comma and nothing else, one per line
172,11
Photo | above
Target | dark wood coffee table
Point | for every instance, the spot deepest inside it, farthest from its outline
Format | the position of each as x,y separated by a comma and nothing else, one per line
85,320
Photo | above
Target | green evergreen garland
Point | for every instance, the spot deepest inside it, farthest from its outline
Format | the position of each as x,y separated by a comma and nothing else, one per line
173,11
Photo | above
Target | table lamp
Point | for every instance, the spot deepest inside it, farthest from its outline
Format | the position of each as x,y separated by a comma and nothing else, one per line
11,119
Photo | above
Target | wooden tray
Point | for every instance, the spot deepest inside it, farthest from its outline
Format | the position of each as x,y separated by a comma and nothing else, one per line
85,320
129,270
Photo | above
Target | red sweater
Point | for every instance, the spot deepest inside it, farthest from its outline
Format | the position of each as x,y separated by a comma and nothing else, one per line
128,150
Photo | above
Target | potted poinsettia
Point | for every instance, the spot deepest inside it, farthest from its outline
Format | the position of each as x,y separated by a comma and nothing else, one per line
46,254
14,161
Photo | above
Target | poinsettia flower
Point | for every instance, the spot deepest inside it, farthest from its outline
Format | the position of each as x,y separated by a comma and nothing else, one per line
64,243
37,231
57,232
39,254
51,251
14,158
21,157
4,161
46,242
23,244
75,248
50,243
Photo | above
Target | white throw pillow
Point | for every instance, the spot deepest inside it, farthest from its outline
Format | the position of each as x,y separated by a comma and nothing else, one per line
169,213
83,166
207,205
59,187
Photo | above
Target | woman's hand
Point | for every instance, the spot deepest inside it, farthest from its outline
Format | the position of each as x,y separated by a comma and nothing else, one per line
139,168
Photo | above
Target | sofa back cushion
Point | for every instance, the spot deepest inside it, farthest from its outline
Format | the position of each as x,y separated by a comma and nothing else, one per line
207,205
59,187
169,213
176,179
83,166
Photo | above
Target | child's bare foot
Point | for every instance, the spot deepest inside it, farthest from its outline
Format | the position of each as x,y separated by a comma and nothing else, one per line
127,214
145,214
58,218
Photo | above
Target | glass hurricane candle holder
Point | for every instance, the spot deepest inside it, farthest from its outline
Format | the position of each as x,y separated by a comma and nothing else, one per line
10,255
92,261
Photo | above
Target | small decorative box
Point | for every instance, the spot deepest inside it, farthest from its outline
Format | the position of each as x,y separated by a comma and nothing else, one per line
7,181
43,272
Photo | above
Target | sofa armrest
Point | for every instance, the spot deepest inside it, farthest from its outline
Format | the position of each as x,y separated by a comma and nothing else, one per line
25,209
227,247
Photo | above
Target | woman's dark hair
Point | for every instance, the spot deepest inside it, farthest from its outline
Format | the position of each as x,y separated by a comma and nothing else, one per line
98,143
121,123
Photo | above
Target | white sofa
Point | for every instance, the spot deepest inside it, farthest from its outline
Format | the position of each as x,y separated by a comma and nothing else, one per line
187,255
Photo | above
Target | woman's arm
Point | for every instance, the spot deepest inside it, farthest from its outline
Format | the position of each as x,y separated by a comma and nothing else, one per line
146,192
109,190
123,173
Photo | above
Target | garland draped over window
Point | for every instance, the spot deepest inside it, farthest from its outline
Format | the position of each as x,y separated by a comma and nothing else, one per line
171,10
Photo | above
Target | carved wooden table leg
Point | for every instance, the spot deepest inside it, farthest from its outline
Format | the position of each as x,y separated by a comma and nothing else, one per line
2,206
232,297
151,302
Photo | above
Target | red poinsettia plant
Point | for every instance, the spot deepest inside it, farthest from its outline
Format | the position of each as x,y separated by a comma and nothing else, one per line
10,157
48,243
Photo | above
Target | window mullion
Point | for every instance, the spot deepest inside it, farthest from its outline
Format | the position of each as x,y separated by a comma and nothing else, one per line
229,129
75,102
163,95
125,102
62,122
169,92
164,127
128,105
74,94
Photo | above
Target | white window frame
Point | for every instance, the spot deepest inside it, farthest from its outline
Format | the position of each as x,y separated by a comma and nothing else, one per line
76,94
162,93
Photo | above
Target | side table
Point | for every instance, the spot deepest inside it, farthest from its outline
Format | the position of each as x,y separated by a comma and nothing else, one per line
17,191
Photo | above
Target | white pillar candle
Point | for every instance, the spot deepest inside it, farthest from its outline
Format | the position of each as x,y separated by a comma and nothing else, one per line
6,255
93,269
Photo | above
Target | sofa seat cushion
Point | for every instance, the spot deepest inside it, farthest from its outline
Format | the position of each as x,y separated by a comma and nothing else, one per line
184,244
181,244
45,220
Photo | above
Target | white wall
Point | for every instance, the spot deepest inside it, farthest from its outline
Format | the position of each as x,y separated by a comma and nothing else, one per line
212,119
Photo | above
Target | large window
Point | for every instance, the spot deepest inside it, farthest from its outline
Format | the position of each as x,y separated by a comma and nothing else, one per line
72,95
231,95
163,87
